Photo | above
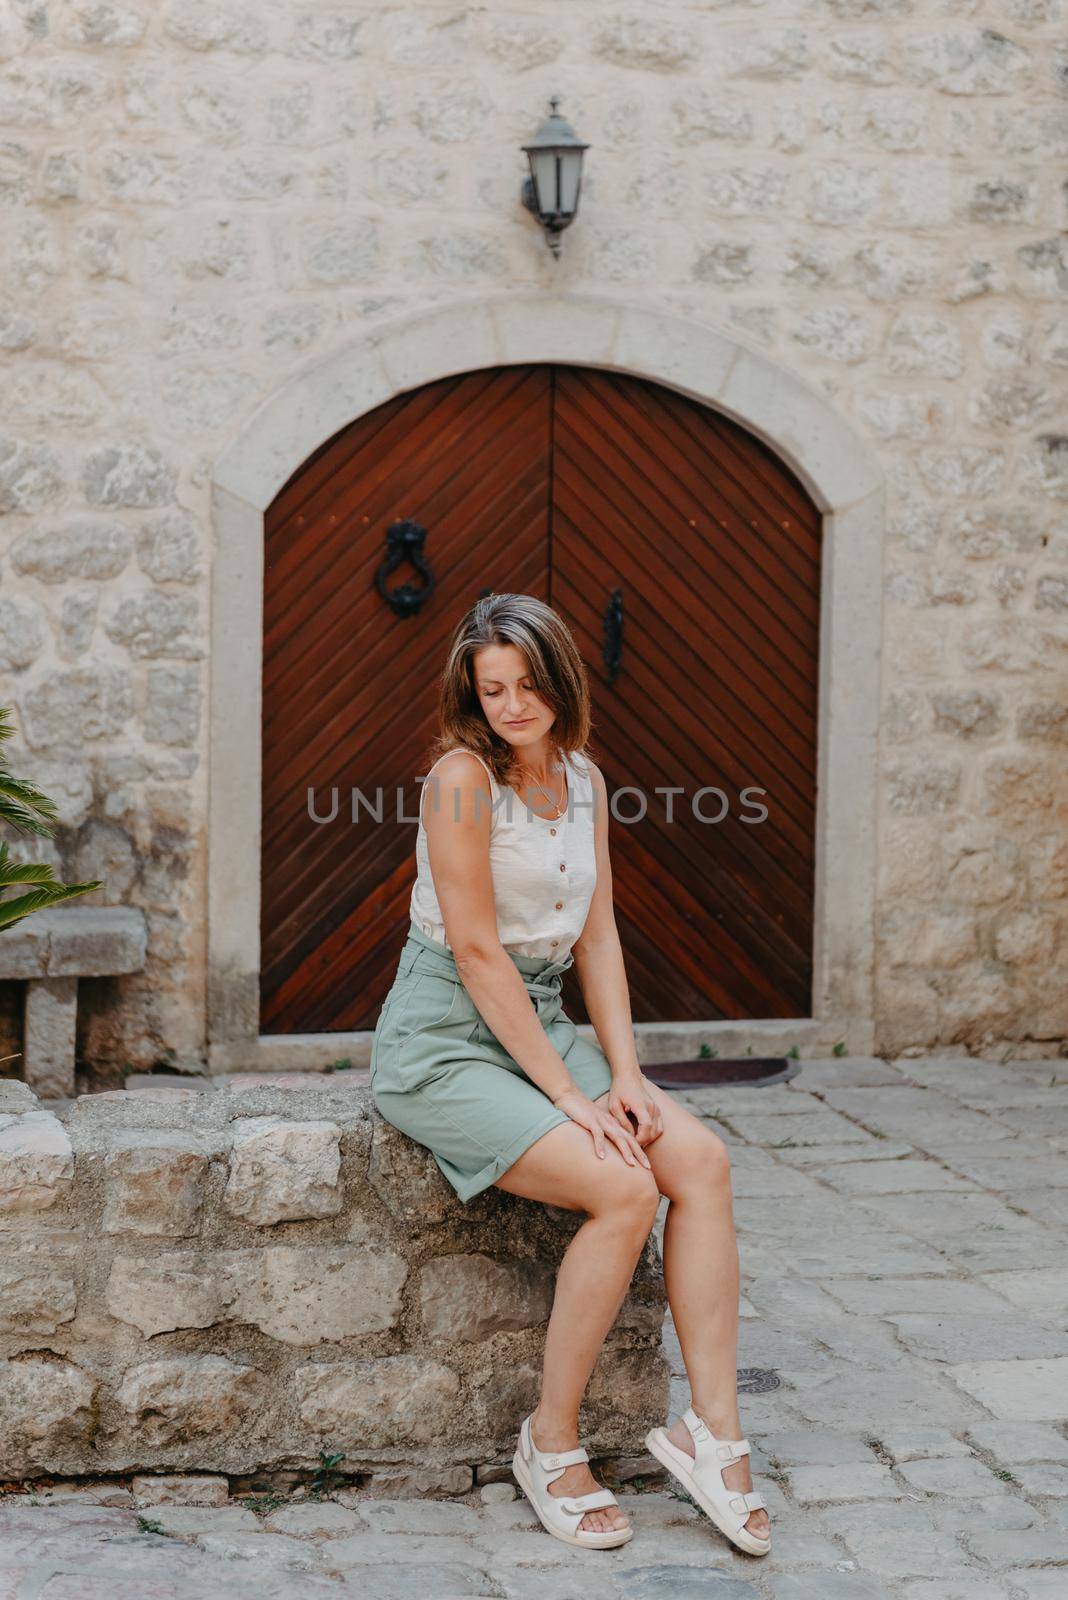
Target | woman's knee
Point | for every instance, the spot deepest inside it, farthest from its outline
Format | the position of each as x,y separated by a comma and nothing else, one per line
703,1159
626,1195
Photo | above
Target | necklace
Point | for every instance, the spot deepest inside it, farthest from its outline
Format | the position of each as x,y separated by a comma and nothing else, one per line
560,809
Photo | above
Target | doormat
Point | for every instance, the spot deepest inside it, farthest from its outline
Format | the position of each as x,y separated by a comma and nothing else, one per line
755,1071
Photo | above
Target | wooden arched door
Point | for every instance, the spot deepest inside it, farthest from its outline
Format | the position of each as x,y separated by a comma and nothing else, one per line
685,557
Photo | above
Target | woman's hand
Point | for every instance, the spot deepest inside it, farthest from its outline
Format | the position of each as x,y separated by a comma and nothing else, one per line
632,1095
602,1125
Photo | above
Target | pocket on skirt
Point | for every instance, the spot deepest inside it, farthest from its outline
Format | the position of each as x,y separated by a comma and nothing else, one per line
432,1002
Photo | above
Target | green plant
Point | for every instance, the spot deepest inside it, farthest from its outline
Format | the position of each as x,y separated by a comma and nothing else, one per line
794,1053
262,1504
680,1494
839,1049
26,808
706,1053
149,1525
326,1473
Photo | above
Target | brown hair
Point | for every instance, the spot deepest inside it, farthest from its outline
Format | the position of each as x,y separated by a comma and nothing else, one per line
556,668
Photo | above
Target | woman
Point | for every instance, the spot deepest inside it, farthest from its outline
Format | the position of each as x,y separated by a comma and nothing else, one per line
474,1058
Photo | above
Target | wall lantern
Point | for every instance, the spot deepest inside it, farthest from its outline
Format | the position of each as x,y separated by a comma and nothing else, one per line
552,190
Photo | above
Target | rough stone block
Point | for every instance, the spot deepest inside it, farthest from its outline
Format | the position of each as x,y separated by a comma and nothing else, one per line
949,1338
154,1184
184,1398
180,1489
814,1447
36,1162
1017,1391
431,1559
406,1177
922,1444
37,1289
953,1477
76,942
284,1171
16,1097
307,1520
298,1295
49,1024
24,949
1042,1291
472,1296
854,1481
193,1518
1041,1479
1011,1442
47,1414
1030,1547
304,1294
401,1516
375,1402
162,1292
412,1483
626,1384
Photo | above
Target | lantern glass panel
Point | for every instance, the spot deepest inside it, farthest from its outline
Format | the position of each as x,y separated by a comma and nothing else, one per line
570,170
543,166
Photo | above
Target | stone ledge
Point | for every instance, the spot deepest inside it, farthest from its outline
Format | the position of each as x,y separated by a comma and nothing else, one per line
231,1281
69,941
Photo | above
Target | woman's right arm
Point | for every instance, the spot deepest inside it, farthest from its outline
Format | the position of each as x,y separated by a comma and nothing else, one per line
457,816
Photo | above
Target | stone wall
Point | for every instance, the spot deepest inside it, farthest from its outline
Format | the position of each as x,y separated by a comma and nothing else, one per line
200,199
237,1280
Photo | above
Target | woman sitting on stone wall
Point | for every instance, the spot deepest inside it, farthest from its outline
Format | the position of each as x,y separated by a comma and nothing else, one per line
474,1058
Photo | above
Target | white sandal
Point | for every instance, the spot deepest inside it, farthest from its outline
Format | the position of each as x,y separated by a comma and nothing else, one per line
701,1475
535,1469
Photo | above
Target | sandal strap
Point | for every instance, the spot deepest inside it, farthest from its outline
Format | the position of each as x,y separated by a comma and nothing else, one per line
693,1422
726,1450
560,1458
588,1502
730,1450
549,1460
743,1504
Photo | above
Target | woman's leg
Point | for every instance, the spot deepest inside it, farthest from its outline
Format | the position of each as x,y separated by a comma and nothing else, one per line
692,1167
562,1169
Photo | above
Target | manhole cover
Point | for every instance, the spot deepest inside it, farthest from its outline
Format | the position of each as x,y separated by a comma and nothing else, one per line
754,1070
757,1380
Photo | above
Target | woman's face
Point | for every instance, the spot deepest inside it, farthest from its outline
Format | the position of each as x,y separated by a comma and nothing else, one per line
506,693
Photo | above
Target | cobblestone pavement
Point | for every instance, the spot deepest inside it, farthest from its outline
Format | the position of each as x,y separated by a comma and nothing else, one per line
904,1275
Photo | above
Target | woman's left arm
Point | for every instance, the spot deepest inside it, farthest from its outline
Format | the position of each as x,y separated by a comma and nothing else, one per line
603,979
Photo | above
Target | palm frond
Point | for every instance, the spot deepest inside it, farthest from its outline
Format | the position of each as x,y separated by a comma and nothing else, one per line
22,803
21,905
25,807
12,872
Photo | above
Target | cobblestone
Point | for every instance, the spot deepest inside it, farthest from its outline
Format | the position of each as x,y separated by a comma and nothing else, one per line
915,1449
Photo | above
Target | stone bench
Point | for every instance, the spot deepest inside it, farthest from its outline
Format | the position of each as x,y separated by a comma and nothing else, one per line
233,1280
51,950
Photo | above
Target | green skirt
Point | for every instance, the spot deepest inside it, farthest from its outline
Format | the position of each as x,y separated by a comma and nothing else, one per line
440,1076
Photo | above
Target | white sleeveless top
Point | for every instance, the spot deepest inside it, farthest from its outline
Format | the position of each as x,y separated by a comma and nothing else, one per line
544,869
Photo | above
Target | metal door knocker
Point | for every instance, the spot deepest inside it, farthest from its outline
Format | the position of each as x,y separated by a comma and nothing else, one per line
404,542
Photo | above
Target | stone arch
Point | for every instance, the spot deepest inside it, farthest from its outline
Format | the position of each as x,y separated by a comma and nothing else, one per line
706,363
